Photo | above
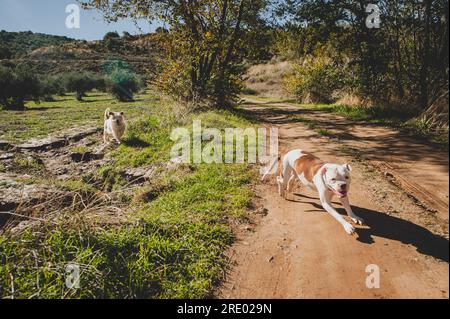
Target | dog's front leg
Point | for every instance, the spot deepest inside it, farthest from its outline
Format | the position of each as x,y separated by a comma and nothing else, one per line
356,219
326,204
116,137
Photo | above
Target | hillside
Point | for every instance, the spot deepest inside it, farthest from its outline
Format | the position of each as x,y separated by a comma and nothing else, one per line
59,54
17,44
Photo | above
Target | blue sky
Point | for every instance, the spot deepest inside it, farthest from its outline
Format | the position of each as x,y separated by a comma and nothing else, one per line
49,16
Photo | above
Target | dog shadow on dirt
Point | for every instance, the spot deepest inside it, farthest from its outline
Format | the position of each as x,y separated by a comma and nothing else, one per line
394,228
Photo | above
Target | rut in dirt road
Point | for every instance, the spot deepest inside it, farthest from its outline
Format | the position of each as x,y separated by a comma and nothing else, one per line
299,251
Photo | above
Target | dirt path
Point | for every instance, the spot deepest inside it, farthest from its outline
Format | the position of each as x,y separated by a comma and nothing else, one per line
299,251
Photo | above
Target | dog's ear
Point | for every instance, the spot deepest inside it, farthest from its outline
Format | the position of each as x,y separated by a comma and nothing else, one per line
348,167
121,113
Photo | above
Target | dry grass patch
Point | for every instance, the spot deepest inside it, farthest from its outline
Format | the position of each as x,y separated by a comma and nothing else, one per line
267,79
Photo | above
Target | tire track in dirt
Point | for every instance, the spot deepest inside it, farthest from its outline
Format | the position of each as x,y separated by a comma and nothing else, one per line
299,251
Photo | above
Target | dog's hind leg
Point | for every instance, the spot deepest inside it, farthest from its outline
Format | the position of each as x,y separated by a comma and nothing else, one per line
284,179
290,182
280,184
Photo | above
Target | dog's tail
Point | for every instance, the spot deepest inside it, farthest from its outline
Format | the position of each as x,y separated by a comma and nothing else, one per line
107,111
272,165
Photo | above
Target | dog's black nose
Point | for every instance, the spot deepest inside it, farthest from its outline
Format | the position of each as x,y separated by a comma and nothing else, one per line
343,187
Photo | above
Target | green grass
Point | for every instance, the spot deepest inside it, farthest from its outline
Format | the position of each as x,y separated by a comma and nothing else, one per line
325,132
27,165
174,249
39,120
79,149
309,123
177,226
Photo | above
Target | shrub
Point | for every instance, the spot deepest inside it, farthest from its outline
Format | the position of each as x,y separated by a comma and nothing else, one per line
173,79
100,83
111,35
5,52
80,83
315,79
122,83
17,86
52,85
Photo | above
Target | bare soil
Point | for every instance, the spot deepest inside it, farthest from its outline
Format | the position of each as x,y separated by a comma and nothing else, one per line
399,187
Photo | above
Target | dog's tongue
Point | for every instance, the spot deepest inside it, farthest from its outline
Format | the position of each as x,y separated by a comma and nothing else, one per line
340,194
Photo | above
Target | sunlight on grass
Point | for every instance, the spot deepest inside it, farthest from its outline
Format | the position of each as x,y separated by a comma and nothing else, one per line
177,225
39,120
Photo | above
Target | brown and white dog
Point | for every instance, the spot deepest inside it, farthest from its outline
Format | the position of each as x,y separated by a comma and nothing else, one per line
114,126
328,179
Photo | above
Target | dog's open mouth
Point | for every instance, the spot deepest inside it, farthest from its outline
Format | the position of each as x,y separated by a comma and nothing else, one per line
340,194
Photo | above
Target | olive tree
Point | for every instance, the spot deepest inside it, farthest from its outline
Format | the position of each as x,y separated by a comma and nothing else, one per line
18,86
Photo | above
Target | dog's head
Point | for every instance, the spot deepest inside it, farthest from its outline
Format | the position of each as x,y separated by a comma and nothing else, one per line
117,117
337,178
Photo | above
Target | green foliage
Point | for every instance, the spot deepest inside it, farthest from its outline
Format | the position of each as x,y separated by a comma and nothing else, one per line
404,62
5,52
81,83
111,35
123,84
15,44
17,86
121,81
111,40
315,80
52,85
203,53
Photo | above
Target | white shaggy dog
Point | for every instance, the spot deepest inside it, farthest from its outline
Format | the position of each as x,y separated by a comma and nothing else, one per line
114,126
328,179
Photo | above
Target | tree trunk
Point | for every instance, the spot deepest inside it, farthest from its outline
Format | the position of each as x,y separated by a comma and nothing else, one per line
219,85
423,78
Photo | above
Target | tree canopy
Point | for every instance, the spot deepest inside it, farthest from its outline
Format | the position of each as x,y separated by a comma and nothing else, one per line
205,45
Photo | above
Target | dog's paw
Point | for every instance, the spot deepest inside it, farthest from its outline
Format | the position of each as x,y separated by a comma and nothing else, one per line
349,229
358,220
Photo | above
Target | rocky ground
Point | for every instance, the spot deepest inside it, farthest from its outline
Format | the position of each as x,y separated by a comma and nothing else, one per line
32,173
